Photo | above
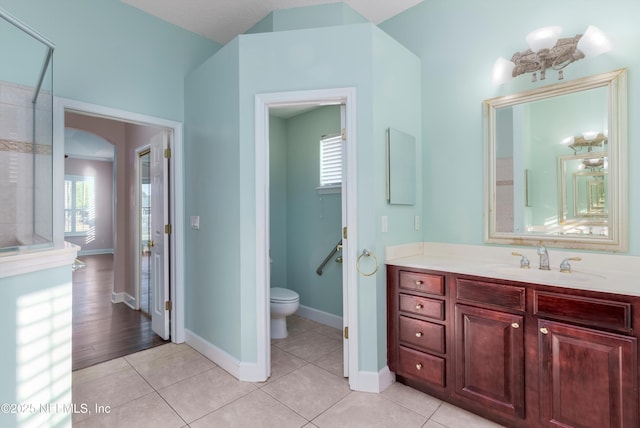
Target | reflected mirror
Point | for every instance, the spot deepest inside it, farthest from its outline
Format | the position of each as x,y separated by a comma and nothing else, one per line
556,165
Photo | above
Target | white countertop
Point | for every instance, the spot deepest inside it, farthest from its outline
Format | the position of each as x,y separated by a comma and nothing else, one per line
596,272
25,261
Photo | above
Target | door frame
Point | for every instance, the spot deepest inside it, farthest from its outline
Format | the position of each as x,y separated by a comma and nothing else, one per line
176,189
263,102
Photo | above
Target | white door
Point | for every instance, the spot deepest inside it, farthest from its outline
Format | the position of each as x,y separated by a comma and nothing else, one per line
159,275
345,245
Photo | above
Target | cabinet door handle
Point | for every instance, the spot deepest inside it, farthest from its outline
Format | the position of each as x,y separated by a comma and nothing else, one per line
418,334
419,306
418,282
515,325
419,366
544,330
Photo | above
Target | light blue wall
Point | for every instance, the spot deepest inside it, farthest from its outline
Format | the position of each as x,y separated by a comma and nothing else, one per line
336,57
458,41
213,182
307,17
111,54
35,359
278,231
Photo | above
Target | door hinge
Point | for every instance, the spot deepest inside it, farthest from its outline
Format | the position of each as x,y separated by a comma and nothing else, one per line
346,332
167,153
168,305
167,228
344,232
343,134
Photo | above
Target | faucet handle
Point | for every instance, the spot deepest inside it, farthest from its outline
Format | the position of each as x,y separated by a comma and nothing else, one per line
524,261
565,266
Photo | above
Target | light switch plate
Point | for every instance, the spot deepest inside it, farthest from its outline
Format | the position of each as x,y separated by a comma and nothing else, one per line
195,222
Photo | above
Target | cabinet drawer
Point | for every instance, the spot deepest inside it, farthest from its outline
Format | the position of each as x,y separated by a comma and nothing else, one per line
584,310
426,335
422,306
504,296
421,366
423,282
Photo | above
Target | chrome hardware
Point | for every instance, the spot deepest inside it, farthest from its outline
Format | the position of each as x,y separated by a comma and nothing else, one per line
524,261
419,306
150,243
544,330
419,334
418,282
565,266
544,257
339,259
419,366
515,325
367,253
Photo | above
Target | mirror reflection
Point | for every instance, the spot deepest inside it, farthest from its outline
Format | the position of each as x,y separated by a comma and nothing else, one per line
553,169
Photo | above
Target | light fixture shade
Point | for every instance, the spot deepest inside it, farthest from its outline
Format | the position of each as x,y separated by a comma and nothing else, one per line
590,135
569,140
543,38
593,42
502,71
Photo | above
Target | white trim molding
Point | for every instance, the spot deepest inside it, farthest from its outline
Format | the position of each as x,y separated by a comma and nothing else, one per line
321,317
336,96
376,382
176,188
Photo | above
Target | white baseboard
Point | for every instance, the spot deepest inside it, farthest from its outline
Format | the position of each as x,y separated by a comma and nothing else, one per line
320,316
247,372
117,297
96,252
130,301
375,382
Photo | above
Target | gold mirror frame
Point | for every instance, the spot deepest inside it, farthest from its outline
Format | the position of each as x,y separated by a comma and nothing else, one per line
616,239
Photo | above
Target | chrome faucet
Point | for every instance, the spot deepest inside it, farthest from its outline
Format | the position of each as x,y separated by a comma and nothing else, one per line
544,257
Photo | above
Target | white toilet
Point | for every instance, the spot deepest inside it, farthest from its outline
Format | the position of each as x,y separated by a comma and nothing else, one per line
284,302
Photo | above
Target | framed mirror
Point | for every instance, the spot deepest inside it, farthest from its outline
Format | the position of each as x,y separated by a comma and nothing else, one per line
401,168
556,165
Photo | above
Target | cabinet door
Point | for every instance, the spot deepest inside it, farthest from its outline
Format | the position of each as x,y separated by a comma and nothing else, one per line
588,377
489,358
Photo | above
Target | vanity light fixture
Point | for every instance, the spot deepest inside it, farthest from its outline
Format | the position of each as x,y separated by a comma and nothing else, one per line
546,50
587,140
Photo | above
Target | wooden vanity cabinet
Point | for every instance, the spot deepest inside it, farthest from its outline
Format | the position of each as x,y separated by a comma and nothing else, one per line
523,355
417,332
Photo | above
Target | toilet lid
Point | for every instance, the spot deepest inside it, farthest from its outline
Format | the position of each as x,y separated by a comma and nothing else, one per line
283,295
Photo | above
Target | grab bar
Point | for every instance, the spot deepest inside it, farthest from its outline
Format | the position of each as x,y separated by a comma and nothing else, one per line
326,260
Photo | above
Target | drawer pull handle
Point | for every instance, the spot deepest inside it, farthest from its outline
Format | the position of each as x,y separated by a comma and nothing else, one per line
544,330
418,334
515,325
418,282
419,306
419,366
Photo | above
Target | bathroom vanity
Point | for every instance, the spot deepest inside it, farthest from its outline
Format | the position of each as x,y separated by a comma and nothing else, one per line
523,353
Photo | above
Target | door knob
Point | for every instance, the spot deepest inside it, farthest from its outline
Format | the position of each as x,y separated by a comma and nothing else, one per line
151,243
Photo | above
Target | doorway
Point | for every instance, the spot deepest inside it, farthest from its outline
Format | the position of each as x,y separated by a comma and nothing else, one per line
348,232
175,248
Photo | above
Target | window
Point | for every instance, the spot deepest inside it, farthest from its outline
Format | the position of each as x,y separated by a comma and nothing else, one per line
331,160
79,205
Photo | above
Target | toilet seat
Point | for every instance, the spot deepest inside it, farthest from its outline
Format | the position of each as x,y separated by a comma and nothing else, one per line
283,295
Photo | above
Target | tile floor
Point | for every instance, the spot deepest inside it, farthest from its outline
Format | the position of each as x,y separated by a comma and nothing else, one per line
175,386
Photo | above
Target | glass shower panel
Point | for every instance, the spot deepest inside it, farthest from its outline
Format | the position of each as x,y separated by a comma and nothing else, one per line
26,136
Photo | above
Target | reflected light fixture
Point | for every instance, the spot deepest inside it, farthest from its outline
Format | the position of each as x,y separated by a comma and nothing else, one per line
588,140
547,50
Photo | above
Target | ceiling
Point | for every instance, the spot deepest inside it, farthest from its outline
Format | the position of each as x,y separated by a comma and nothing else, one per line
222,20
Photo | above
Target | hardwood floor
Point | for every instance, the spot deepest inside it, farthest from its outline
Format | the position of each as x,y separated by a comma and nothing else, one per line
103,330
